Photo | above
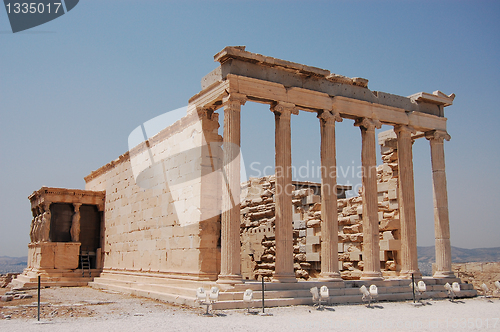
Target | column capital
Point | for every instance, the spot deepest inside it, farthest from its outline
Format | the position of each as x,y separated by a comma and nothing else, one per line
329,117
234,100
439,135
404,128
368,123
45,206
77,206
205,112
284,109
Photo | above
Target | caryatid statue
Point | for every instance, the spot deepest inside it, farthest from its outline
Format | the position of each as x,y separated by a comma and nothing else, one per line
45,224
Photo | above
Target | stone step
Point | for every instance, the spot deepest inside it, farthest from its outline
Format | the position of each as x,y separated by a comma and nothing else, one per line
152,278
224,295
69,278
296,294
166,297
34,285
160,288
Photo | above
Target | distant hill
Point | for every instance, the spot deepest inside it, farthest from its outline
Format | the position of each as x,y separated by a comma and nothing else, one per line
427,256
13,264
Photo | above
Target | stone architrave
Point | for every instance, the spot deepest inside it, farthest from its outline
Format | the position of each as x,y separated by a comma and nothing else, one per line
441,216
329,215
75,224
230,222
284,271
406,188
371,246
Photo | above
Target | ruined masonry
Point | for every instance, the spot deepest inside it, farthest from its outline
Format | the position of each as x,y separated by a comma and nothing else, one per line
258,220
170,215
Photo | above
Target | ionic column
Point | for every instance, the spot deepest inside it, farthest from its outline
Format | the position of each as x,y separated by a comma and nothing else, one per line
329,214
75,223
440,193
230,221
371,247
284,229
406,194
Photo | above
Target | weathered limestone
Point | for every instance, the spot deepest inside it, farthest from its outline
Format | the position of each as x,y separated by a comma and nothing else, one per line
409,258
168,218
5,279
283,147
258,251
156,221
248,73
371,246
55,235
54,255
477,273
230,225
75,225
329,216
441,217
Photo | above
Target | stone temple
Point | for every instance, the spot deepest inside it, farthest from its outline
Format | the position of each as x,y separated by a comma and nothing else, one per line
172,213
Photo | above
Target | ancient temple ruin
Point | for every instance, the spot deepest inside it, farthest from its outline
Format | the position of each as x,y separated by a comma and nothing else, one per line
66,224
176,215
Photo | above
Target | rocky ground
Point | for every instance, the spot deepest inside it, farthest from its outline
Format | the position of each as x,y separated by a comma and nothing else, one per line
75,302
87,309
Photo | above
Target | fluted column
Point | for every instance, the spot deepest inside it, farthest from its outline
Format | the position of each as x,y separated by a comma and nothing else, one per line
230,221
371,246
329,214
283,198
406,194
440,193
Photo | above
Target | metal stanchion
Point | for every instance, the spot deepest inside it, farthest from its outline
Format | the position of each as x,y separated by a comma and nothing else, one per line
38,298
263,313
263,295
413,286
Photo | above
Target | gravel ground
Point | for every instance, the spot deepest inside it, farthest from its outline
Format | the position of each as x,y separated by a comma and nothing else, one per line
107,311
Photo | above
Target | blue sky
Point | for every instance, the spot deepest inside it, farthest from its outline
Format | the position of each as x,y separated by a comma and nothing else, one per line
73,89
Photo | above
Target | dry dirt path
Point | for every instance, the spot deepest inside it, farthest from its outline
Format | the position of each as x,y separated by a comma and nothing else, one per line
85,309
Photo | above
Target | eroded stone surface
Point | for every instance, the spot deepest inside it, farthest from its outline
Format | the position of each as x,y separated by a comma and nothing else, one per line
165,221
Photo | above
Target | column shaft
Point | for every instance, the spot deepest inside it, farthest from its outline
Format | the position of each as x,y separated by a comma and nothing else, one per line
230,221
441,217
75,224
371,246
284,271
329,214
409,256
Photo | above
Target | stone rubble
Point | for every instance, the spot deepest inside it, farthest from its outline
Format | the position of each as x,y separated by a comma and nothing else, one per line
258,248
5,279
477,273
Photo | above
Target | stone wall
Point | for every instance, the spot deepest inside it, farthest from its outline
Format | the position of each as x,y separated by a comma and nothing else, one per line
164,219
257,229
477,273
257,224
5,279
